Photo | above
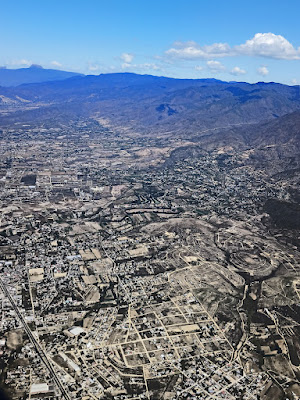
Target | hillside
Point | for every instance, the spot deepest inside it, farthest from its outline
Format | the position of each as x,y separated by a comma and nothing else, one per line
148,104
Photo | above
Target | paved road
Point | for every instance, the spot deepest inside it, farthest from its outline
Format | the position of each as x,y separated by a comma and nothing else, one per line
33,340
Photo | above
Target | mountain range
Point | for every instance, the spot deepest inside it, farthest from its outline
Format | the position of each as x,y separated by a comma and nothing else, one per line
260,123
33,74
148,104
207,111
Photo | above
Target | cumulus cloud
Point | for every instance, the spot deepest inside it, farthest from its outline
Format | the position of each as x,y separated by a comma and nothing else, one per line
127,58
199,68
238,71
267,45
263,70
56,64
215,66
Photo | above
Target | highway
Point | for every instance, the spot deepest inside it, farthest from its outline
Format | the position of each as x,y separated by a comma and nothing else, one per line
33,340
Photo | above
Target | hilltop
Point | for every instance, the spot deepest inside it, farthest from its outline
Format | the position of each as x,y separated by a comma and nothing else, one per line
33,74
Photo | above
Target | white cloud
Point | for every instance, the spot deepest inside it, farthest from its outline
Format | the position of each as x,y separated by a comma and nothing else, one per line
127,57
22,62
126,65
269,45
155,67
199,68
141,67
215,66
263,70
94,67
56,64
191,50
238,71
295,81
97,67
261,45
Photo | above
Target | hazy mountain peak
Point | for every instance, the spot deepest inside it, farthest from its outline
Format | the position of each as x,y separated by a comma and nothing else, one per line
33,74
36,66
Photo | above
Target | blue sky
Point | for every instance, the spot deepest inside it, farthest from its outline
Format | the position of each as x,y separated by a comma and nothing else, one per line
229,40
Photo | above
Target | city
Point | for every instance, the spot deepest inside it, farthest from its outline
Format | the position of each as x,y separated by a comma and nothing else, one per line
131,270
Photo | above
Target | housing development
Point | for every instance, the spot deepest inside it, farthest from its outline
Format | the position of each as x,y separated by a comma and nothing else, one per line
142,267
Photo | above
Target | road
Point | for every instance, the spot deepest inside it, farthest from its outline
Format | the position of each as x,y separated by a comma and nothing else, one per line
36,345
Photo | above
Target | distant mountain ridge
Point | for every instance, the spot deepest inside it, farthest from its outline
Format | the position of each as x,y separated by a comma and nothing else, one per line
149,105
33,74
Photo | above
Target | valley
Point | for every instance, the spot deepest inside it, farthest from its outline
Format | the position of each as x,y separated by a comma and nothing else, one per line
143,261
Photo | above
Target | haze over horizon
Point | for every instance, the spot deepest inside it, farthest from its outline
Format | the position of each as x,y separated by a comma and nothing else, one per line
257,42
